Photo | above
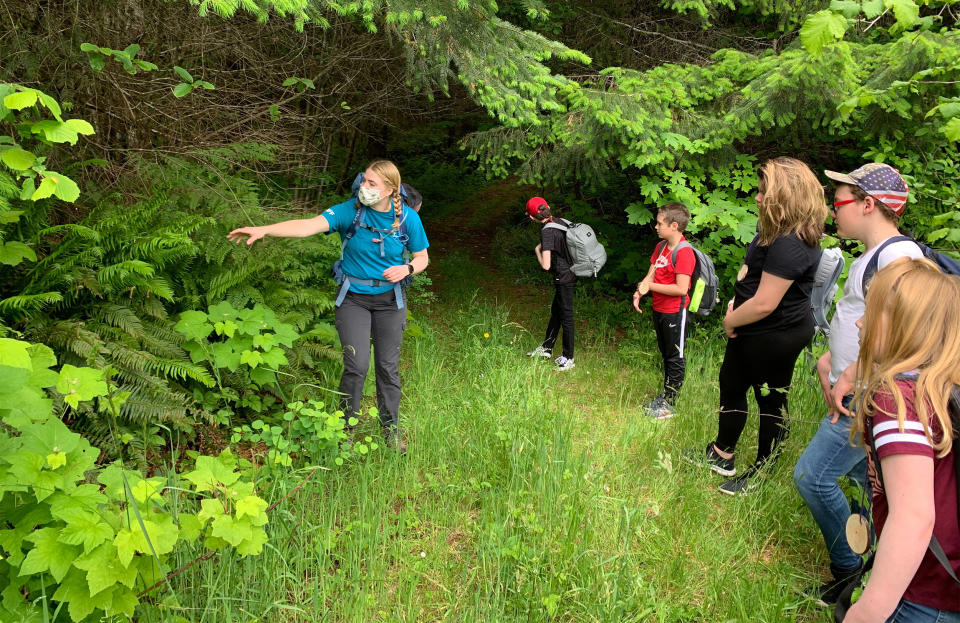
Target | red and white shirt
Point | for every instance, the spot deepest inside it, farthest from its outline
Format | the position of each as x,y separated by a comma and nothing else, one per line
665,273
931,585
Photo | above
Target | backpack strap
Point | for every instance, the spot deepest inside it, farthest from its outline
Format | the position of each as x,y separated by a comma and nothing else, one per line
683,244
874,262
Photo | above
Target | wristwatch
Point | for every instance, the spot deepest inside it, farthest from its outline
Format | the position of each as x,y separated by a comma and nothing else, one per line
410,266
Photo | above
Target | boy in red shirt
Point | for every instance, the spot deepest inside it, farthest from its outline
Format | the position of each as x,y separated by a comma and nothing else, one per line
669,284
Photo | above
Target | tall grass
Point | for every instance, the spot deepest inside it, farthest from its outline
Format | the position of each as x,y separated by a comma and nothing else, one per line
530,495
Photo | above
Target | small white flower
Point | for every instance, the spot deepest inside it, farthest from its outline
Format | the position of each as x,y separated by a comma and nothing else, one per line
423,554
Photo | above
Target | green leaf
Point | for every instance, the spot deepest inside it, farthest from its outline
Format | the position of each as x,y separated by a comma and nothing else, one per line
252,358
48,554
290,81
55,131
57,459
86,529
10,216
46,189
75,592
15,364
949,109
184,75
253,507
849,8
89,47
145,65
951,129
906,11
98,62
105,570
194,325
182,89
872,8
222,311
20,100
132,49
80,126
78,384
820,29
18,159
66,190
26,193
12,253
211,474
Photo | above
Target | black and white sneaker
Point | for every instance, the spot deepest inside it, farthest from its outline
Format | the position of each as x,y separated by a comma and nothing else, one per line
741,485
540,351
711,458
564,364
659,409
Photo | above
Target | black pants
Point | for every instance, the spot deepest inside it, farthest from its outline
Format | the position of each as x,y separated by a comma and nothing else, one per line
671,338
764,362
561,316
360,317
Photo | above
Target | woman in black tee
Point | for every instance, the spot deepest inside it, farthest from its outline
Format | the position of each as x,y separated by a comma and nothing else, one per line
769,322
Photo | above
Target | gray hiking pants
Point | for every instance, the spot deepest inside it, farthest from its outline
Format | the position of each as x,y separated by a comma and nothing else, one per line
360,317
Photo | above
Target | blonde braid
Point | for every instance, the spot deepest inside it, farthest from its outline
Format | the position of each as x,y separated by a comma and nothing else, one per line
397,207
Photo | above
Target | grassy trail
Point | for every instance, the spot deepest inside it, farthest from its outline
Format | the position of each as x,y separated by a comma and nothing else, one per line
529,495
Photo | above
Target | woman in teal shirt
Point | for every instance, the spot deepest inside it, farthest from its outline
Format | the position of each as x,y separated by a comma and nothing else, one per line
370,300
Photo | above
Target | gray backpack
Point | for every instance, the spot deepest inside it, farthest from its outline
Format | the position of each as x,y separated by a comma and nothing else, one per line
825,287
587,255
704,283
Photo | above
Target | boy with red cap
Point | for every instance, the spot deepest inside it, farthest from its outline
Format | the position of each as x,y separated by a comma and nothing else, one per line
867,206
554,256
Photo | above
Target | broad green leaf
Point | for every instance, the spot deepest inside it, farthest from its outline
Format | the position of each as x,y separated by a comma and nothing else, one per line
26,193
211,474
263,376
952,129
98,62
254,545
79,384
56,459
66,190
80,126
251,506
89,47
75,592
18,159
20,100
252,358
194,325
206,85
182,89
190,527
290,81
872,8
104,569
46,189
15,364
10,216
48,554
227,328
225,356
55,131
231,530
849,8
132,49
906,11
12,253
222,311
50,103
210,508
183,73
275,358
821,28
949,109
145,65
86,529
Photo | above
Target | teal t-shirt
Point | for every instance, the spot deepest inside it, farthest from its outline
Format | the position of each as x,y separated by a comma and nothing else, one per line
361,256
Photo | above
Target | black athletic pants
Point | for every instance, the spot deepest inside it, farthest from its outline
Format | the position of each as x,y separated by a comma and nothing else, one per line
671,338
359,318
764,362
561,317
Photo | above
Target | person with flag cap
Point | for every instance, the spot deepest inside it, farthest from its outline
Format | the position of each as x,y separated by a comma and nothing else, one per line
867,207
554,256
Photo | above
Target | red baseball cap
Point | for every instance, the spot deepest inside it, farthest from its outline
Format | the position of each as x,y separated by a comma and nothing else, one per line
536,205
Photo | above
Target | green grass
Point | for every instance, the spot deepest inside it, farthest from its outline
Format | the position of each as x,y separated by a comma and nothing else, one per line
529,495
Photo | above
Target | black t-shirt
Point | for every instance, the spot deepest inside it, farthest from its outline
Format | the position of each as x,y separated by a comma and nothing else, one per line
788,257
555,241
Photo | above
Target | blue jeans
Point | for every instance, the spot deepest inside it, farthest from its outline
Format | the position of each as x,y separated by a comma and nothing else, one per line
909,612
829,456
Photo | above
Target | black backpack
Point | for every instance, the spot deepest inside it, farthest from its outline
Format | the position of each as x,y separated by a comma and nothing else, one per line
946,263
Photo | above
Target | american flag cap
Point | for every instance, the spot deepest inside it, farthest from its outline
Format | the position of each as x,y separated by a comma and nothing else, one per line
880,181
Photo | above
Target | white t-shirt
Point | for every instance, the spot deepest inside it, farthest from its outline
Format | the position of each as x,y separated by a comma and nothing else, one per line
844,336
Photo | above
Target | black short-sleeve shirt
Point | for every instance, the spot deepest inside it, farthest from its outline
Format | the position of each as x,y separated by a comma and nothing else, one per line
555,241
788,257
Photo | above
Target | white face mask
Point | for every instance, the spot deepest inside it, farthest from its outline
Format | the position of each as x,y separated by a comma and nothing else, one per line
368,196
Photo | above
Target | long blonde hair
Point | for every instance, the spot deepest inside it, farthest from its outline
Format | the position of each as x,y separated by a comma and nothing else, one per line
793,202
912,324
391,175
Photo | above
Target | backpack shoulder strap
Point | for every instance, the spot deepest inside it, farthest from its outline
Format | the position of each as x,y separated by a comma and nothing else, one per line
556,225
874,262
347,235
683,244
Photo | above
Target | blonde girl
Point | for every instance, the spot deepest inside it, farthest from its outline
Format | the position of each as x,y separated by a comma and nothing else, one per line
769,321
909,364
370,301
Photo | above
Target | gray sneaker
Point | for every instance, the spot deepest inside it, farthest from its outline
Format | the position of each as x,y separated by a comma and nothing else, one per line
660,409
563,363
540,351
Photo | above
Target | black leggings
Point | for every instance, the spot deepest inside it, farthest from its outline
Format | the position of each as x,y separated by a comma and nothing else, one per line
764,362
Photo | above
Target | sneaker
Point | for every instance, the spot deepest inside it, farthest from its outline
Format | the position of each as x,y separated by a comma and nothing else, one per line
709,456
540,351
741,485
395,439
653,404
660,409
563,363
828,594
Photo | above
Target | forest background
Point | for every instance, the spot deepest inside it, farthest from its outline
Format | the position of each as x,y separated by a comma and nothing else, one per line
135,133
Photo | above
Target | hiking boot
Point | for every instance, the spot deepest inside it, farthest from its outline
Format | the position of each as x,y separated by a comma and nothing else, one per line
660,409
563,363
395,439
540,351
827,594
711,458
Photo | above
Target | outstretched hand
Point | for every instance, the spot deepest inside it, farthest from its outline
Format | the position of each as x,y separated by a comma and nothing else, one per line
253,234
396,273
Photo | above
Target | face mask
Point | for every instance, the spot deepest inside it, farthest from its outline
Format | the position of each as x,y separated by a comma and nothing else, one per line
368,196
